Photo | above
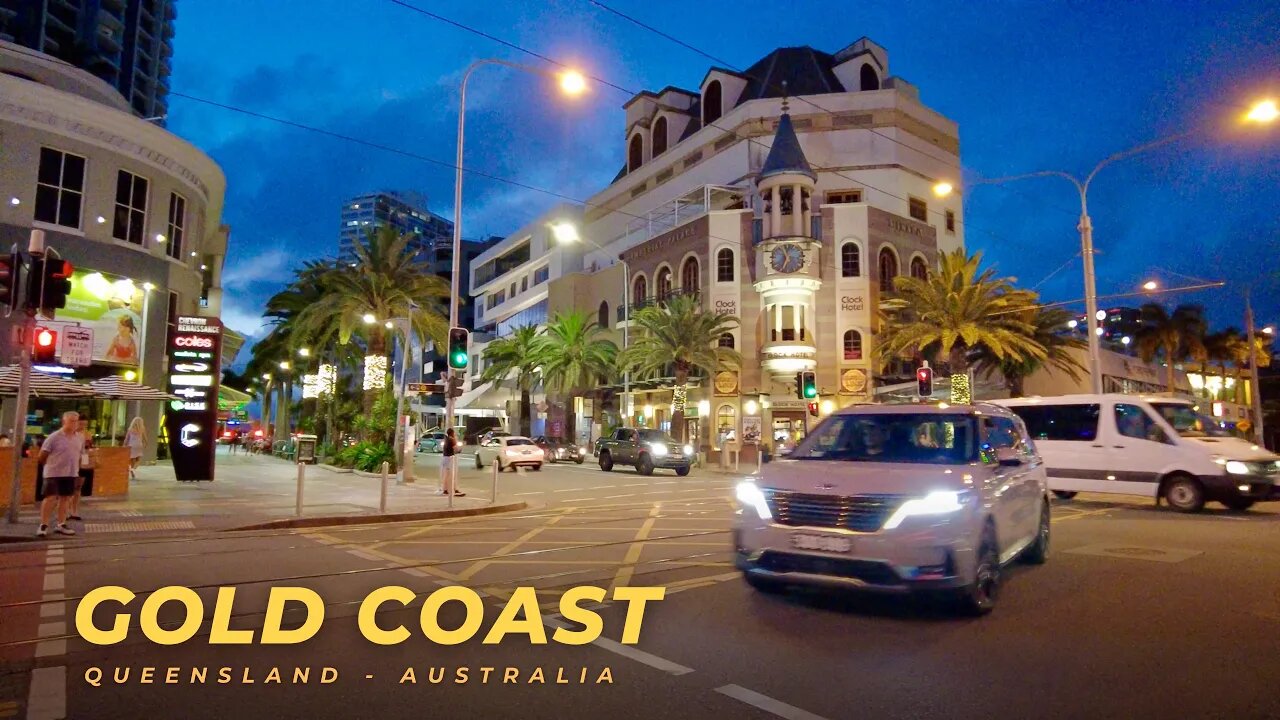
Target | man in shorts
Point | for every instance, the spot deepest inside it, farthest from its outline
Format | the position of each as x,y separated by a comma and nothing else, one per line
60,455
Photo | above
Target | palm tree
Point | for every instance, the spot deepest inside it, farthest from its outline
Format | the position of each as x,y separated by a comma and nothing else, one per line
957,310
518,354
1241,358
574,358
1048,324
1222,348
680,335
1174,336
385,280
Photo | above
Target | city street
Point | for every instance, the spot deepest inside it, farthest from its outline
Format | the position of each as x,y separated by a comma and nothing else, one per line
1140,612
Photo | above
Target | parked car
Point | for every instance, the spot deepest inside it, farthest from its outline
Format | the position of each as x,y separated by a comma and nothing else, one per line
431,442
510,451
488,435
557,450
644,449
898,499
1155,446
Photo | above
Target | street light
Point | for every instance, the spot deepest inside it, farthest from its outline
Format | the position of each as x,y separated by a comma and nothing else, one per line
943,188
1262,112
284,364
369,319
1150,285
304,352
571,83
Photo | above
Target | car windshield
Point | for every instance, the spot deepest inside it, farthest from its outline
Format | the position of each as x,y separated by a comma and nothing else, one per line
927,438
652,436
519,441
1189,423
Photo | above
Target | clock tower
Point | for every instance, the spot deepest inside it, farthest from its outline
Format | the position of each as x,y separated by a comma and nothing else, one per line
788,259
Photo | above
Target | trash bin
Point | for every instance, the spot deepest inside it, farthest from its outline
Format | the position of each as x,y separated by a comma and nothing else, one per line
306,448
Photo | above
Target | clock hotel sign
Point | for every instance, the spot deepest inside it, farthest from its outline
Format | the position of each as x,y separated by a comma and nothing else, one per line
191,420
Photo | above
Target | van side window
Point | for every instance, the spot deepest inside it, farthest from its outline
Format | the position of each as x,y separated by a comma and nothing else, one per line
1060,422
1132,421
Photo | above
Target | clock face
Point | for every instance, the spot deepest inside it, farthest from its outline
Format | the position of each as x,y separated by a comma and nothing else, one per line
787,258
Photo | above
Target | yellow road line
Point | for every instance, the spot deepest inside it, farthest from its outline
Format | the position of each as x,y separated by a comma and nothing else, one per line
625,572
512,546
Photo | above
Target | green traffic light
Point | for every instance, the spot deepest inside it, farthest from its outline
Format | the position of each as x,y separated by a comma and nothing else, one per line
459,359
810,391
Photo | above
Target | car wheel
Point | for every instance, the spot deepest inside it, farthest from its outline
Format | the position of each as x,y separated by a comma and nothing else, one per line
1238,504
1184,494
764,584
537,467
682,471
1064,494
1038,552
606,461
580,459
644,465
979,598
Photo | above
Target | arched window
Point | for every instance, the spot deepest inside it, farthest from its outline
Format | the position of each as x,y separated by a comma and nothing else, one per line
689,276
602,318
850,260
660,136
639,290
635,153
919,270
869,79
726,424
663,284
726,341
852,345
712,103
724,265
888,269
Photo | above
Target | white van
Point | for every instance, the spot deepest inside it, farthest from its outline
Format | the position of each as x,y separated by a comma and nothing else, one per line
1153,446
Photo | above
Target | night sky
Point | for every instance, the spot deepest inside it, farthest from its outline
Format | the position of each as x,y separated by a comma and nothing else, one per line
1033,86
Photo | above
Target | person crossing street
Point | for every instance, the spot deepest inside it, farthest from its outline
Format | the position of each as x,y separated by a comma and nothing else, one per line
60,455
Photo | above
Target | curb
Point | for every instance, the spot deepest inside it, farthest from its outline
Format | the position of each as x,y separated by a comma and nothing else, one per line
338,520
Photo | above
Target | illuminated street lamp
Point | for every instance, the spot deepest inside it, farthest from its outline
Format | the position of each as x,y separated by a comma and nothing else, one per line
304,352
284,364
369,319
1262,112
943,188
1150,285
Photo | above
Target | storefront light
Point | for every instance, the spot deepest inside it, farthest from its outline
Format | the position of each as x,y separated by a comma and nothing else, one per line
648,411
751,407
827,407
704,407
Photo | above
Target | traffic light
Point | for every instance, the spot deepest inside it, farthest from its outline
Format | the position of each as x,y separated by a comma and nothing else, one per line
924,381
49,285
458,348
44,349
806,385
453,385
10,280
813,409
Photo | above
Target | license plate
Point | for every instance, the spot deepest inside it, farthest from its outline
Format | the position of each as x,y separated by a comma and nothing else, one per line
823,543
526,452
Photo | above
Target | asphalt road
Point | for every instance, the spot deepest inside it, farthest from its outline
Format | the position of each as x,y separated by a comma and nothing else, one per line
1139,613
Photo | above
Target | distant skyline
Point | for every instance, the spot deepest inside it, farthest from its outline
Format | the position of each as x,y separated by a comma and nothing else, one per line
1033,86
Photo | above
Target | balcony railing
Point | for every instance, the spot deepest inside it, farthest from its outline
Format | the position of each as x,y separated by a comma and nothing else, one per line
789,335
654,300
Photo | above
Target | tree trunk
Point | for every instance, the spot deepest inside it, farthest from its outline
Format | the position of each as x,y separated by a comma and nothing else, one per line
1017,386
570,419
1169,353
959,367
677,410
377,346
267,425
526,416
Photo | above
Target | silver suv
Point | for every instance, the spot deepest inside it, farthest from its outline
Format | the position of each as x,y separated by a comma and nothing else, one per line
900,499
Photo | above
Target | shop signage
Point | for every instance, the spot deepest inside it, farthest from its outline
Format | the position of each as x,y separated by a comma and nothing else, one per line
195,352
852,303
726,382
853,382
111,306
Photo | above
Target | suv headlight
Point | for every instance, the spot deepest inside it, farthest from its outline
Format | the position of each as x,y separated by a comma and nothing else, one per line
659,449
750,495
1235,467
688,449
938,502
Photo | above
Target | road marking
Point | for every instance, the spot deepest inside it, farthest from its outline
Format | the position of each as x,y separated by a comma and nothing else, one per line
611,497
540,492
625,572
636,485
626,651
47,695
766,703
572,490
602,487
47,699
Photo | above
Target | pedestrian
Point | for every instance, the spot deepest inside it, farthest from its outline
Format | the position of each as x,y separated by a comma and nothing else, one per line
85,479
60,455
135,439
449,465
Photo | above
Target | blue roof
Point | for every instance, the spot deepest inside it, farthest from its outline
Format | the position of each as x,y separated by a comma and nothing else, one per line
786,156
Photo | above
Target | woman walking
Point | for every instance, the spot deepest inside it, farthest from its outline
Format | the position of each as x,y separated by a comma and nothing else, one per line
135,439
449,465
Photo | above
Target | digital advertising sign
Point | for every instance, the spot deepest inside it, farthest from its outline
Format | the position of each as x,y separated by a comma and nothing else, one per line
191,420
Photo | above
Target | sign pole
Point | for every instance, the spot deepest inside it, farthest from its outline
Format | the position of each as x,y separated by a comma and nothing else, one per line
20,414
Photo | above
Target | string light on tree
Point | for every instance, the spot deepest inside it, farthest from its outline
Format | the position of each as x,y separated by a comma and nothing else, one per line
375,372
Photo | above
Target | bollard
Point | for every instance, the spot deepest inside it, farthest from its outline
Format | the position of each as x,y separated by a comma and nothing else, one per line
759,459
494,496
302,474
386,478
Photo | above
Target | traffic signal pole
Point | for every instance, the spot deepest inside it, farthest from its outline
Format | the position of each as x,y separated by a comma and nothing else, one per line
25,333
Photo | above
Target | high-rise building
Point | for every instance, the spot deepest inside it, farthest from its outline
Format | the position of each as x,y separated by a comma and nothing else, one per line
405,211
127,43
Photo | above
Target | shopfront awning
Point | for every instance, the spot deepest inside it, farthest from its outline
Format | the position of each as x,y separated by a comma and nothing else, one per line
42,385
114,388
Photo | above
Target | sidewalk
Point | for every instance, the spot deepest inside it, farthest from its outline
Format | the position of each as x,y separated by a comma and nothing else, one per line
253,491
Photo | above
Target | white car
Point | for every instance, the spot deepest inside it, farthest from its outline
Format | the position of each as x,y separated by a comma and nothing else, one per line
510,451
898,499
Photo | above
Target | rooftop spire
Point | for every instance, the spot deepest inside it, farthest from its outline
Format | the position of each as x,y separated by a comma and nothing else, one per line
786,156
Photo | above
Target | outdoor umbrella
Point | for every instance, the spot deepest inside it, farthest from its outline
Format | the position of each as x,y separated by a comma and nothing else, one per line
42,385
113,388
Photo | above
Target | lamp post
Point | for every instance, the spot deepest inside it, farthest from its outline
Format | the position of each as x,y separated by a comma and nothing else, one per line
566,233
1255,392
571,83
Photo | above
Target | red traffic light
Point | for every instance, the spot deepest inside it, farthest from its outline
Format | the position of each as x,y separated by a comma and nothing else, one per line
813,409
45,337
45,350
924,381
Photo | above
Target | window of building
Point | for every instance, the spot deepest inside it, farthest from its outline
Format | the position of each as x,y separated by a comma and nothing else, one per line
868,78
131,207
724,265
919,270
1060,422
59,188
602,315
524,283
836,197
726,341
663,283
850,260
177,228
951,221
918,209
639,290
689,276
712,103
496,299
171,316
888,265
541,274
635,153
726,424
852,345
660,136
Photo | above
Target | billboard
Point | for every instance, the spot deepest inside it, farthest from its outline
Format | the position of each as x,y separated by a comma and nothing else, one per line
111,306
191,421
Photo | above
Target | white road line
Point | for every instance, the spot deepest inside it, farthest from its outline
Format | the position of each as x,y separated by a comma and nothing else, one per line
540,492
47,698
571,490
611,497
766,703
669,482
601,487
627,651
47,695
636,485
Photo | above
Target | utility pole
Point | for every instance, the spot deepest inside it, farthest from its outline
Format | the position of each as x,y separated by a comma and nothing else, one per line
1255,390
